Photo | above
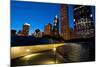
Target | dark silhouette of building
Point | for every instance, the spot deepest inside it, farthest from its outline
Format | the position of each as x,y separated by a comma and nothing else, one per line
13,32
65,32
48,29
83,21
19,32
55,31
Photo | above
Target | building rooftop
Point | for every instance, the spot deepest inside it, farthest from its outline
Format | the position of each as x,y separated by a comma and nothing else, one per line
27,24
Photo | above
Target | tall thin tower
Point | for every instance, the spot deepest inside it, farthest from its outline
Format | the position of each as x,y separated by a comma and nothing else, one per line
56,27
65,32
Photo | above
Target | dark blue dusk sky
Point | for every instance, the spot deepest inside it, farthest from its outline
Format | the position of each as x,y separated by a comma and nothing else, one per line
36,14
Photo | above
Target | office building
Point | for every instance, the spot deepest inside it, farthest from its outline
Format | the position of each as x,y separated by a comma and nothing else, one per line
65,31
83,21
48,29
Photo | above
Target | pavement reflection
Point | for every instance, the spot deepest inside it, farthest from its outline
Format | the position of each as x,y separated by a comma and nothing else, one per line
47,57
26,50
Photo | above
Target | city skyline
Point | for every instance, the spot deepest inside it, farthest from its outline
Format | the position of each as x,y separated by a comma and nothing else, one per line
19,16
36,14
51,33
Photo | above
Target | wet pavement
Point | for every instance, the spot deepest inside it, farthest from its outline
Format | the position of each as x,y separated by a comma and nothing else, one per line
48,57
53,54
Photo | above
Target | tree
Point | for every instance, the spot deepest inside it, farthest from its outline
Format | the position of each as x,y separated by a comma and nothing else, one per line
37,30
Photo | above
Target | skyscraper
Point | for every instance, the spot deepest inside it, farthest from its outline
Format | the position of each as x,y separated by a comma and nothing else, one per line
48,29
13,32
25,30
83,21
65,32
55,30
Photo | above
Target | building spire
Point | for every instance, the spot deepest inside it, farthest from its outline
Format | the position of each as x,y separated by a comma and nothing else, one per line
56,16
